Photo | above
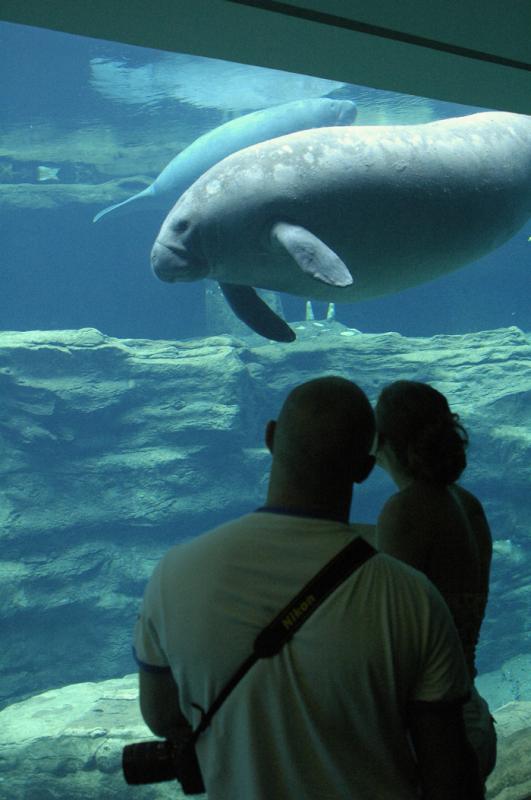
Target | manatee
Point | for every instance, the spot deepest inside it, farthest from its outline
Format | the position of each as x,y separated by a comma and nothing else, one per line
241,132
345,214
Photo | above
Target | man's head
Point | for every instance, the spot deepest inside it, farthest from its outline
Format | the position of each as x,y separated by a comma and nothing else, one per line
322,439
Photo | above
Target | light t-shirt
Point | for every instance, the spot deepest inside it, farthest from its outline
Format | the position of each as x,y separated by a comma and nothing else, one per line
323,719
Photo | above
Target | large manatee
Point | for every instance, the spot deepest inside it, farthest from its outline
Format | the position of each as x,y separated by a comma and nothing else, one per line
343,214
241,132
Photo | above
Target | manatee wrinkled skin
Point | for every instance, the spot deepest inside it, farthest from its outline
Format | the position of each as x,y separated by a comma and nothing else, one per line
344,214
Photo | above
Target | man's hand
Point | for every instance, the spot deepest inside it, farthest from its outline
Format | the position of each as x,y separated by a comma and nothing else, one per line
447,764
159,703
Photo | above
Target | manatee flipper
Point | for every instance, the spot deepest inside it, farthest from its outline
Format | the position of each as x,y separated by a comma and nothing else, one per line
312,255
252,310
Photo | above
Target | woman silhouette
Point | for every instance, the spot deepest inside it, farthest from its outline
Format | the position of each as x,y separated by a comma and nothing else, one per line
435,525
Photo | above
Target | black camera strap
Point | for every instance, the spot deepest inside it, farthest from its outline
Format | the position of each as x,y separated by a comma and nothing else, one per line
281,629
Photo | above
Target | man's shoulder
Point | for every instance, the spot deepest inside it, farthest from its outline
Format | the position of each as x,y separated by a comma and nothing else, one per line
211,543
219,537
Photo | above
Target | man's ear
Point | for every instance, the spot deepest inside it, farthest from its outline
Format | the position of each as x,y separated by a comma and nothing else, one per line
363,470
269,436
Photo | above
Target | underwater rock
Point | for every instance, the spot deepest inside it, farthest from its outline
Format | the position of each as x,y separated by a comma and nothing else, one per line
69,741
512,681
57,195
112,450
511,779
98,165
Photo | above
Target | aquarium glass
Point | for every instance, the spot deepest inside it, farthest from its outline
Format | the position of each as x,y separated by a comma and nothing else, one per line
132,409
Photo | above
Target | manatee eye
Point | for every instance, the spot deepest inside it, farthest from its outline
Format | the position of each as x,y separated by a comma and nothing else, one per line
182,226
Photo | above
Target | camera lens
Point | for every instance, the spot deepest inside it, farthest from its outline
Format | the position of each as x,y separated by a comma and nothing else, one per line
148,762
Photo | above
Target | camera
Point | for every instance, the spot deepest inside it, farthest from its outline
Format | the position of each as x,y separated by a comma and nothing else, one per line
156,761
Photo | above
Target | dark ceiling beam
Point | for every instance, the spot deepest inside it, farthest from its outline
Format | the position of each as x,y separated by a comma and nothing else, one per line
324,18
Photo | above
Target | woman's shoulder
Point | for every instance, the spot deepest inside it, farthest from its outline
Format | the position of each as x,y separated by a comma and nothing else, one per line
420,495
469,501
417,499
400,529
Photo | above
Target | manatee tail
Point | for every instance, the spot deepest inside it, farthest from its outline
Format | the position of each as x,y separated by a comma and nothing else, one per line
145,193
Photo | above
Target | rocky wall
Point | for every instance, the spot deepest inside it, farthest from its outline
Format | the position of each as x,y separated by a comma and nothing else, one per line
112,450
67,743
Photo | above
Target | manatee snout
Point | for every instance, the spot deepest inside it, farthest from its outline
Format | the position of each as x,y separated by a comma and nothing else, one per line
173,261
166,264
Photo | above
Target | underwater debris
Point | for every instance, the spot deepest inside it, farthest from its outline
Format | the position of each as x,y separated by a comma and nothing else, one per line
47,173
330,311
16,171
509,550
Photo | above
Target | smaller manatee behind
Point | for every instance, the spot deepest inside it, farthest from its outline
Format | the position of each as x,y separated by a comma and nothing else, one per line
226,139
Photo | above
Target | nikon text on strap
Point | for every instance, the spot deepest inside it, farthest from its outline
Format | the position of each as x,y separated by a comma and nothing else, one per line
294,615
